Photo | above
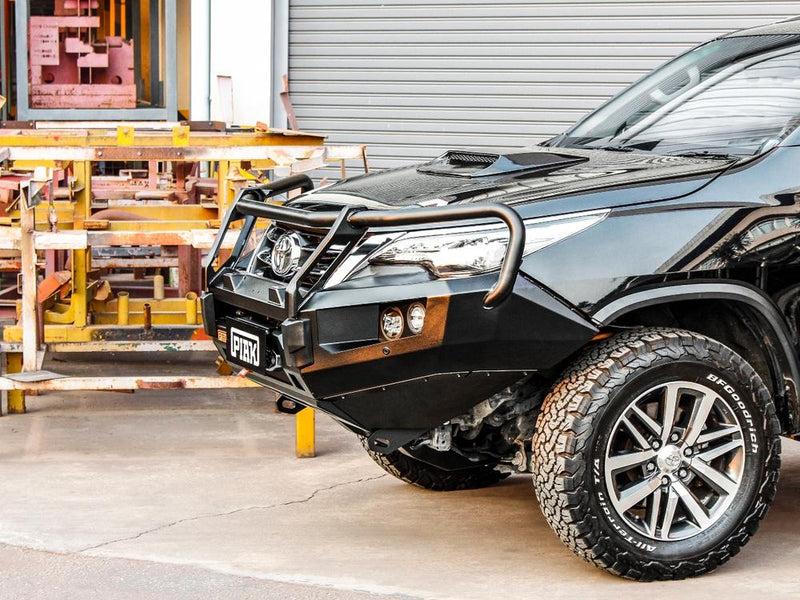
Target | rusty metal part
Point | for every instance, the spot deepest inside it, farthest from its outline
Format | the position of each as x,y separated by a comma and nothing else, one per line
148,317
287,104
170,204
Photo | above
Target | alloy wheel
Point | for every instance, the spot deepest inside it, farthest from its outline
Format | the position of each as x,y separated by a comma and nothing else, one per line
674,460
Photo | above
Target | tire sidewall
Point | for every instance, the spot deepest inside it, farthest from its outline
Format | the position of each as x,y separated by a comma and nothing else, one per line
737,387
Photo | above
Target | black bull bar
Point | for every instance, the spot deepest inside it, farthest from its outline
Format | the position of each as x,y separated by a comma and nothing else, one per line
348,225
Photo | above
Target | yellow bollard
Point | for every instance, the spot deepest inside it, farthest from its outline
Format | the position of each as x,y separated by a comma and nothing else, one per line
16,398
191,308
304,430
123,315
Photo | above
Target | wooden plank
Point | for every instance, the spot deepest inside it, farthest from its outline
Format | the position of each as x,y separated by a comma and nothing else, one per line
133,263
62,240
197,238
9,238
128,383
30,328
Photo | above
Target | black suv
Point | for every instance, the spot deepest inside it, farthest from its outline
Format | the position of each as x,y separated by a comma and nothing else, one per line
615,311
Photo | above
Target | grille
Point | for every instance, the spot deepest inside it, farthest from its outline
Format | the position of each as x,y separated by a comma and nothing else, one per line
323,264
262,265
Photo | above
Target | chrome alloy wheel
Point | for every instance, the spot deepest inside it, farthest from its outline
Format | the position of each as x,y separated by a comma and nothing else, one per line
674,460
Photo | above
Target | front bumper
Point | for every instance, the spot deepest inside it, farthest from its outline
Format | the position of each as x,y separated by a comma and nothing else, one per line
324,347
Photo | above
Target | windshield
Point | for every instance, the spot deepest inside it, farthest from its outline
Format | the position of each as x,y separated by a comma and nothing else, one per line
734,96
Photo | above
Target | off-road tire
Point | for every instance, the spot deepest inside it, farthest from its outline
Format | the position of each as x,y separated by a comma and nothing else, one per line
423,475
565,451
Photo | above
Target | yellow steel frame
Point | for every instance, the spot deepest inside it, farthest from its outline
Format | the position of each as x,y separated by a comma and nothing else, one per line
79,146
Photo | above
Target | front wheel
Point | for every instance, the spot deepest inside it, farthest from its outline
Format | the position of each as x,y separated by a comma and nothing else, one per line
657,454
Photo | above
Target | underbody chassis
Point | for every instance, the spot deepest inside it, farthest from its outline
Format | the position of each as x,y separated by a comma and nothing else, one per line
320,345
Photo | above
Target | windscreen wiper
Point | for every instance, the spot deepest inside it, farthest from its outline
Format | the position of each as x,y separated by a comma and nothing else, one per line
617,148
705,154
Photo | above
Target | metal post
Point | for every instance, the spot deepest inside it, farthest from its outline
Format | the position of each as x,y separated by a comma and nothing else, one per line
123,308
81,259
16,398
3,61
304,434
171,62
21,33
280,61
222,187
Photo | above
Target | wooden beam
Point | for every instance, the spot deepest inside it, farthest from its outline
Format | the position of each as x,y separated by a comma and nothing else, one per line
30,328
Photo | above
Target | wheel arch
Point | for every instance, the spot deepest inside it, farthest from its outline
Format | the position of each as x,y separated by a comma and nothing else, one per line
736,314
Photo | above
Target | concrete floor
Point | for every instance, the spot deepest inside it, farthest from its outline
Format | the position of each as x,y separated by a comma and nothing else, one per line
165,494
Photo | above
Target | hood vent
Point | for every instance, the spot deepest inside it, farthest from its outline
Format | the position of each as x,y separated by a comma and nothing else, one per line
464,163
468,159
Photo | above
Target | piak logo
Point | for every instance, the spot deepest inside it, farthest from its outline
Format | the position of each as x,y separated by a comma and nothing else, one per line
245,347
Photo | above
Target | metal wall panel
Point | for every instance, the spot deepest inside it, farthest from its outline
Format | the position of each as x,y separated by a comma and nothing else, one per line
412,78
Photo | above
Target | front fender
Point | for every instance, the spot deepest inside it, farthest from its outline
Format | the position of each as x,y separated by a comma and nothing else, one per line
776,338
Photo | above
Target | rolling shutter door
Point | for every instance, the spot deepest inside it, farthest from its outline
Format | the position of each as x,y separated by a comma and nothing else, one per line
412,78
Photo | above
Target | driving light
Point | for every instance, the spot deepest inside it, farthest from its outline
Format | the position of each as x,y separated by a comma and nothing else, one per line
392,323
464,251
415,317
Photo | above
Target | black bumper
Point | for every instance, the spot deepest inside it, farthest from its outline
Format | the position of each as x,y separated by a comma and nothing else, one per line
331,355
322,347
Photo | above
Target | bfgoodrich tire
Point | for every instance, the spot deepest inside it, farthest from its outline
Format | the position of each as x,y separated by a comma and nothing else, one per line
421,474
657,454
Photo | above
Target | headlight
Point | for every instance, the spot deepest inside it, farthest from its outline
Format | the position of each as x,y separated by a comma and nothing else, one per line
463,251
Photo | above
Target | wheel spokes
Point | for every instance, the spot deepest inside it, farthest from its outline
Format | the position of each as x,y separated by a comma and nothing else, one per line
710,436
620,462
648,421
637,435
669,515
697,420
716,479
692,505
654,509
717,451
632,495
671,396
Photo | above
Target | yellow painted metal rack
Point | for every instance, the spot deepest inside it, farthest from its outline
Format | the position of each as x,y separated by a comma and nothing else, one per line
81,202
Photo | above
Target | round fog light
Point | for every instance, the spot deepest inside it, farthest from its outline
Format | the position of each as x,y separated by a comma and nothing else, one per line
392,323
416,317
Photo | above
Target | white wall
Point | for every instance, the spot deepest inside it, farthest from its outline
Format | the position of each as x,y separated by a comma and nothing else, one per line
240,48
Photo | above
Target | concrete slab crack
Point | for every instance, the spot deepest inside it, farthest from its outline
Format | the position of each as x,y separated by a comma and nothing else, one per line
308,498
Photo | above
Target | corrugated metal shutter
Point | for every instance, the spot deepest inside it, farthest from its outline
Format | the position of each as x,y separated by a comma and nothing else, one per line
412,78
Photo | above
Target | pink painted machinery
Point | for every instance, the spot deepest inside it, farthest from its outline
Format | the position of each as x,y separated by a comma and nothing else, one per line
70,66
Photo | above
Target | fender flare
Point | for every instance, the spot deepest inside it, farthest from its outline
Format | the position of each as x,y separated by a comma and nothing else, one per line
782,354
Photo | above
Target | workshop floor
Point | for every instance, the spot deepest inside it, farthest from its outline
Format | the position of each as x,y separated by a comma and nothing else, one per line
165,494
